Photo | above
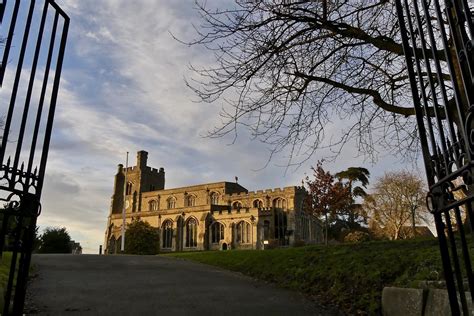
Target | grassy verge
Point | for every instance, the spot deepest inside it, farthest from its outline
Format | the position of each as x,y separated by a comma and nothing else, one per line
4,272
350,276
5,268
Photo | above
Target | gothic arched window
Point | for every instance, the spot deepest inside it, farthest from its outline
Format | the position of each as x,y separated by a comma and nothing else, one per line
167,234
279,203
237,205
243,232
191,233
266,230
152,206
281,225
171,202
258,203
217,232
190,200
214,198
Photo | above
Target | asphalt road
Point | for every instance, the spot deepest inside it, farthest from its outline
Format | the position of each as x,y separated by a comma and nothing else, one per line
152,285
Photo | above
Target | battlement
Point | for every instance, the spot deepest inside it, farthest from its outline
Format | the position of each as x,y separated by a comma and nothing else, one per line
147,169
129,169
261,193
155,170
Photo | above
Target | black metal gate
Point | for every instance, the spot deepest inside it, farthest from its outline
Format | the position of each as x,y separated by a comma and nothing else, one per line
33,39
438,43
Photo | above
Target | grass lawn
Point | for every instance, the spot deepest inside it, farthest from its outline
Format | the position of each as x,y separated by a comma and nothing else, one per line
5,268
4,271
350,276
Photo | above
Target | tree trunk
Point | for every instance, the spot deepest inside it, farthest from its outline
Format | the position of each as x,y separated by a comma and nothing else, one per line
397,234
326,228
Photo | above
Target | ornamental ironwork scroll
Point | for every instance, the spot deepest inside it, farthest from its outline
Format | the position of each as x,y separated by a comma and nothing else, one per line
33,38
437,38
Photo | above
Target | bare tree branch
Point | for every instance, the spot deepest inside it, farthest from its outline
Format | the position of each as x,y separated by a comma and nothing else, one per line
285,70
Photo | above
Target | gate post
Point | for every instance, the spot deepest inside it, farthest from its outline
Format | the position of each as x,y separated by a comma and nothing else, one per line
439,57
36,36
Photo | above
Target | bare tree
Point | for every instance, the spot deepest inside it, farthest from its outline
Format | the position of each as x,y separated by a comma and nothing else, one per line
398,200
287,69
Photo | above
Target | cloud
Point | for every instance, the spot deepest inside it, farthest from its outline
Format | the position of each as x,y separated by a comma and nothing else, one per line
123,90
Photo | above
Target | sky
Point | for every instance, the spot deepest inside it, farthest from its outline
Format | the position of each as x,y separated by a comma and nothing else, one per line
123,89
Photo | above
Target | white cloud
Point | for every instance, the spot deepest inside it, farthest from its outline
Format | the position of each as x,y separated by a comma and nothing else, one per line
123,90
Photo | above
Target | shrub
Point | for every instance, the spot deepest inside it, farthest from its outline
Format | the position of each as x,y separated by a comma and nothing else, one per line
141,239
357,237
55,240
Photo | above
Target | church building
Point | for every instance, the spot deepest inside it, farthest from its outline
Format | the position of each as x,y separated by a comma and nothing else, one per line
210,216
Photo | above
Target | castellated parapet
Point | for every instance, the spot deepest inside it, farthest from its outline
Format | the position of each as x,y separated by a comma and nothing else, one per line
289,190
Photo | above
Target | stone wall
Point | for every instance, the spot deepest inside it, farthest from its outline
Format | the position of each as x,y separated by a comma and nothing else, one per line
419,302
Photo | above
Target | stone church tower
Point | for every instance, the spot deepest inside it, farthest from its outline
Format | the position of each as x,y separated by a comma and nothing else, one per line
140,179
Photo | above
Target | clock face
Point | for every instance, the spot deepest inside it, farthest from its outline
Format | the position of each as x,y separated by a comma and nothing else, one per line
127,204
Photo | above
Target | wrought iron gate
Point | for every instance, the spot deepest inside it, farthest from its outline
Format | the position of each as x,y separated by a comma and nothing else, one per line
34,35
438,41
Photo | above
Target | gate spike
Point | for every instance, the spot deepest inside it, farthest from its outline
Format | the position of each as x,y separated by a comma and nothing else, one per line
36,170
22,166
8,161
